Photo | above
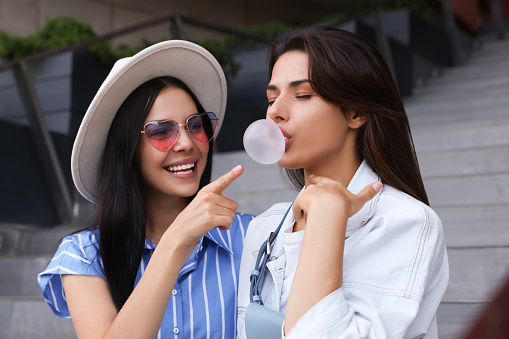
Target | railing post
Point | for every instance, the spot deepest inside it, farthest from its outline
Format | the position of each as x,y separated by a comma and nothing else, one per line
452,33
177,28
44,145
497,18
382,39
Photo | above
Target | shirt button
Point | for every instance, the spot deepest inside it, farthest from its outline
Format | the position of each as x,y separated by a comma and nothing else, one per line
176,330
174,292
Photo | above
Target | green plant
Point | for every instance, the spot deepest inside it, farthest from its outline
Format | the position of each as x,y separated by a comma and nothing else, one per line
340,16
421,7
57,32
62,31
269,30
219,49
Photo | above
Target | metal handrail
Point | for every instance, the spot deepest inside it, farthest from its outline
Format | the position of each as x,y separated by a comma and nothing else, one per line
46,148
44,144
136,27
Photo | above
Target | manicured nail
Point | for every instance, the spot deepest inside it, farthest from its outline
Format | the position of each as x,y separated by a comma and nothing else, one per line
377,186
238,169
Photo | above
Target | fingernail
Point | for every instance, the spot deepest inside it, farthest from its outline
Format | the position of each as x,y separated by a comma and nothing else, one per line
377,186
311,175
238,169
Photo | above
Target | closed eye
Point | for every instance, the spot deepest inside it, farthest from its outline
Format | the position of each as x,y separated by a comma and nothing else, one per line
271,99
303,97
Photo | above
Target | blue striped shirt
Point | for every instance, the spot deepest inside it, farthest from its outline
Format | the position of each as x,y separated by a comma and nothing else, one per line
204,300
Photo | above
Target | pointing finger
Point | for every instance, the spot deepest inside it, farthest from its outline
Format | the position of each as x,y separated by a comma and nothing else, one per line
369,192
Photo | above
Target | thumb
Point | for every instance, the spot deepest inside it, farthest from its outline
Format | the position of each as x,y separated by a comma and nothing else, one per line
369,192
219,185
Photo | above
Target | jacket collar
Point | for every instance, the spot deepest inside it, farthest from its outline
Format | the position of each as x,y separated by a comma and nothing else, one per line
362,177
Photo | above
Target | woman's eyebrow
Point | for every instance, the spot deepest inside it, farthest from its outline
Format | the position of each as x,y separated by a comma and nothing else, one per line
298,82
292,84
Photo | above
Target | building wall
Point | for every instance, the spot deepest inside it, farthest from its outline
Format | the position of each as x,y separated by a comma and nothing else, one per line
25,16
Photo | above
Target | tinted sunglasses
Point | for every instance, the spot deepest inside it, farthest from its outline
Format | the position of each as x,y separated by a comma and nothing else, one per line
162,134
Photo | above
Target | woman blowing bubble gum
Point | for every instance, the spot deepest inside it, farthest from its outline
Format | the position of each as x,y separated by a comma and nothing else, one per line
359,253
162,260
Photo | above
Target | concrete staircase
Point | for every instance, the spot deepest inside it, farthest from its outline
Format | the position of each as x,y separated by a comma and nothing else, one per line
460,123
24,252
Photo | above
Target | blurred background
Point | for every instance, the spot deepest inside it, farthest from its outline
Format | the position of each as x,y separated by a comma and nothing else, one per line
450,59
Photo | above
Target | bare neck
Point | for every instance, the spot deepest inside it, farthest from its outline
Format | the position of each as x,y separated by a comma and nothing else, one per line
160,214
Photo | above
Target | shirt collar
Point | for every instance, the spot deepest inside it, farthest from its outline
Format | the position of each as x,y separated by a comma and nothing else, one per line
221,238
149,245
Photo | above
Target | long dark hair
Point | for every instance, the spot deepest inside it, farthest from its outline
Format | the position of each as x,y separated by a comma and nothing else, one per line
349,72
121,214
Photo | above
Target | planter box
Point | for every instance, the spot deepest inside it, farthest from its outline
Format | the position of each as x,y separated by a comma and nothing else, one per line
418,47
247,100
25,197
65,85
401,54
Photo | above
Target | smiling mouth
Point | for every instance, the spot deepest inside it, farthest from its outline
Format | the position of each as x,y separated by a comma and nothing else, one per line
181,169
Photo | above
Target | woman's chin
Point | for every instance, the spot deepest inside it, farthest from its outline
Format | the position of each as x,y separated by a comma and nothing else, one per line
287,163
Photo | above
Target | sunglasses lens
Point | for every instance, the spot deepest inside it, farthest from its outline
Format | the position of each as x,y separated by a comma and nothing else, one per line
162,135
203,126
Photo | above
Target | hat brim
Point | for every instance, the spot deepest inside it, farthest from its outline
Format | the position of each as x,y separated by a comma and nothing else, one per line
184,60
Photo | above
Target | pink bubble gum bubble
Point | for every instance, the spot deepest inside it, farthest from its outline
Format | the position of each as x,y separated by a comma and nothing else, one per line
264,142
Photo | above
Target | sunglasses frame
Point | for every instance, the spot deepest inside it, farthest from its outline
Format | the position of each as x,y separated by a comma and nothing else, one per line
178,129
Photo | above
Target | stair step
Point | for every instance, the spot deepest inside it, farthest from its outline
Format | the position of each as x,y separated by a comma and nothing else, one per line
468,190
258,188
457,109
19,240
32,318
258,202
454,319
429,121
476,273
19,276
472,71
467,134
488,87
475,225
459,162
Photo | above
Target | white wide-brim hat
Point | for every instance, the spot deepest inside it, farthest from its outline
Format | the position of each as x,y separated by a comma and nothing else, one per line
186,61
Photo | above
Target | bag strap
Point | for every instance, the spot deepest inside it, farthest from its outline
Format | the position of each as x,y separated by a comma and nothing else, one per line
258,274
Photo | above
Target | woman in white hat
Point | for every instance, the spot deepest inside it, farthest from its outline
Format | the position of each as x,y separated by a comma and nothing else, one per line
143,155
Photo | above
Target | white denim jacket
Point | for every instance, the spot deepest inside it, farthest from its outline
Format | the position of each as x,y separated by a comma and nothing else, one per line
395,270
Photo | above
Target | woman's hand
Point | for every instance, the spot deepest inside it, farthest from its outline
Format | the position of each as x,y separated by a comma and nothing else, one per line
93,312
326,206
328,196
209,209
